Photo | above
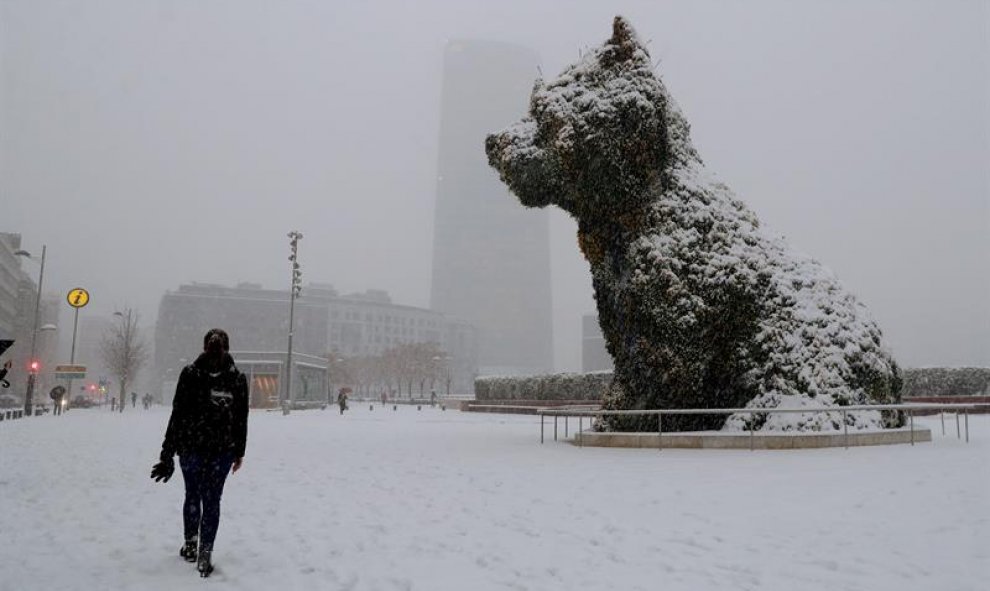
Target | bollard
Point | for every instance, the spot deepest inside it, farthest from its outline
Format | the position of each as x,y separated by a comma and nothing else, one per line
541,428
580,427
941,415
565,426
555,427
958,434
845,429
967,425
371,407
911,415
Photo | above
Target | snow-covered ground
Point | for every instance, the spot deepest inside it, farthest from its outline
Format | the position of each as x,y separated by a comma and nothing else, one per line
437,500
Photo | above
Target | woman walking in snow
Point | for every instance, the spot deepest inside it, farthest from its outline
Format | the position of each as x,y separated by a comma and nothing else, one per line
208,429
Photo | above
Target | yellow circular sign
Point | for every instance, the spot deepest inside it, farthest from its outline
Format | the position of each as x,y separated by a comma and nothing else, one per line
78,297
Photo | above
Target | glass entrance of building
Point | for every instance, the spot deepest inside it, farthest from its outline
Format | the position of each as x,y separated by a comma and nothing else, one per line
264,390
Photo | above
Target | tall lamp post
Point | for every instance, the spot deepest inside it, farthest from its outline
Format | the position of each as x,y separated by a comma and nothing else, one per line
296,287
32,374
333,362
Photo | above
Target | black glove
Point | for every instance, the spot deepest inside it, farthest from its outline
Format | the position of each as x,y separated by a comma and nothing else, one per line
163,470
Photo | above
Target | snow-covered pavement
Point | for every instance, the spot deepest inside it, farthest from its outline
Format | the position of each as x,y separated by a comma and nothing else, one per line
437,500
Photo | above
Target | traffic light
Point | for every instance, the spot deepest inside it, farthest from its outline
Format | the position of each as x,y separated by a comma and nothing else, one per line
92,387
35,366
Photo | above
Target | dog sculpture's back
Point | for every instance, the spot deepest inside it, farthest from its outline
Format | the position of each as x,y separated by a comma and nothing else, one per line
699,308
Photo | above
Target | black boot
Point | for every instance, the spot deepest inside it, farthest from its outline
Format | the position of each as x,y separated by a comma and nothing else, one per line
188,550
205,566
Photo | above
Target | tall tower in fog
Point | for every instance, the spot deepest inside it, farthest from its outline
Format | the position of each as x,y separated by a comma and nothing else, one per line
491,255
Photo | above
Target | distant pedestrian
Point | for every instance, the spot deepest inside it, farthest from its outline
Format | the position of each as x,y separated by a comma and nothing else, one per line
57,395
113,403
384,397
433,397
342,400
133,399
208,429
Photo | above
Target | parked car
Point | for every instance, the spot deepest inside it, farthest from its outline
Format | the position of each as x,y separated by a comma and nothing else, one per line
81,402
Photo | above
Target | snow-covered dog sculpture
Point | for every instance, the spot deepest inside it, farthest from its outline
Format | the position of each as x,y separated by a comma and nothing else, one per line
699,308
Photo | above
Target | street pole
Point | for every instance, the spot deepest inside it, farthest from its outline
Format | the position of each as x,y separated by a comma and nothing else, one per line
127,356
28,399
288,366
72,358
294,288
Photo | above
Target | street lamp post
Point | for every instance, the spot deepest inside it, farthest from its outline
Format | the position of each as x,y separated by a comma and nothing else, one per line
295,288
332,363
446,367
44,345
32,375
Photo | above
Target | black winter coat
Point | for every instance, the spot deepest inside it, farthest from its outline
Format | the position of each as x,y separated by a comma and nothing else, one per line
209,411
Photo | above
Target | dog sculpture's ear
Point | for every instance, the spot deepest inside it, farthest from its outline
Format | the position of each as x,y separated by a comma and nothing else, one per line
624,42
622,32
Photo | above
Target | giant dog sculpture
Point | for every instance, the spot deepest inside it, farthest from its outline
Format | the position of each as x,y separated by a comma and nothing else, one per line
699,308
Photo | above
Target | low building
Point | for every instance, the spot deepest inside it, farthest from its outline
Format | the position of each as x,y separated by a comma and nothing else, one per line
326,324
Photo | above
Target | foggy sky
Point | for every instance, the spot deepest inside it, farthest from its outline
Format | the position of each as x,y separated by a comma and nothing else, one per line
154,143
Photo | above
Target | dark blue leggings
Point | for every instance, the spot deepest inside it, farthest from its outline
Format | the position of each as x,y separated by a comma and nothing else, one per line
204,477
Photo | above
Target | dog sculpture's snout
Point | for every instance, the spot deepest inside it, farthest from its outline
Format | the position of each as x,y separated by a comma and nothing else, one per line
495,149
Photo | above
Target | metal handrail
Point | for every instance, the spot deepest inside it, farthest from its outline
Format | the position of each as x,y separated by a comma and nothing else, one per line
910,408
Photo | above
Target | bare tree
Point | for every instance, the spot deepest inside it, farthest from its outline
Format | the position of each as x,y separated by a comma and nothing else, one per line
123,350
425,363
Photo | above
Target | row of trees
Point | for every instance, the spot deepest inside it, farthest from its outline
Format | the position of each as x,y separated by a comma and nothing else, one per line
403,368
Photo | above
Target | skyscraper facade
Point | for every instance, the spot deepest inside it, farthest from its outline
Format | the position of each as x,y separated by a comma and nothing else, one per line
491,255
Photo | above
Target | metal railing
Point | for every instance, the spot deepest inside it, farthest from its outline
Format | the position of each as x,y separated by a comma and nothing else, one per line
909,408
